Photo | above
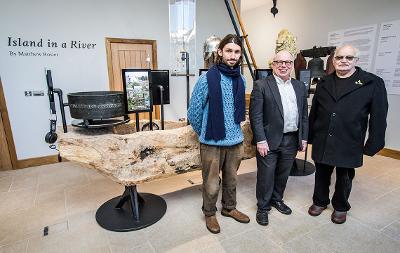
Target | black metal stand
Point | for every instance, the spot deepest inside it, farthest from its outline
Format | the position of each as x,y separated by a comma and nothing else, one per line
162,105
53,122
59,92
137,122
131,211
185,57
89,123
149,124
151,120
302,167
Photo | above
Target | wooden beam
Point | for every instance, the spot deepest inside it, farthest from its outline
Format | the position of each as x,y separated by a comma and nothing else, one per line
245,35
248,101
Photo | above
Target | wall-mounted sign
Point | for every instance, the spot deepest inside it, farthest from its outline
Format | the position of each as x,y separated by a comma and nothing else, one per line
387,60
137,90
362,38
40,47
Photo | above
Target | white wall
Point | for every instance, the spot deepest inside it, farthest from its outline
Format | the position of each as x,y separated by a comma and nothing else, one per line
311,21
84,69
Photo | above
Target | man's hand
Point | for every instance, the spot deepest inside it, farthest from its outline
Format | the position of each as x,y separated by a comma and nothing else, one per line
262,148
303,145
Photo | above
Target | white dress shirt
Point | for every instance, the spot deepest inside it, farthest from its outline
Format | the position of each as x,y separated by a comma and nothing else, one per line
289,104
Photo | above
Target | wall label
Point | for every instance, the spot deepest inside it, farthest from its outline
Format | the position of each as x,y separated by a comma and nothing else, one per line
23,43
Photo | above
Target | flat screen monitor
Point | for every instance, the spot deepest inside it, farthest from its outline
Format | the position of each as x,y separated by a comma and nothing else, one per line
137,90
202,71
262,73
305,77
160,78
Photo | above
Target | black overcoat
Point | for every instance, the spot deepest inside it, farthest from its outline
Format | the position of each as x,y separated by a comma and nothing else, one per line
338,125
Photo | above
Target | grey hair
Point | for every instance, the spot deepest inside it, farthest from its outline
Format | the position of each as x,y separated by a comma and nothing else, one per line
356,51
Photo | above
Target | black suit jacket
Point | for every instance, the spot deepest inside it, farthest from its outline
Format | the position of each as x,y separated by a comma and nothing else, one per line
338,125
266,111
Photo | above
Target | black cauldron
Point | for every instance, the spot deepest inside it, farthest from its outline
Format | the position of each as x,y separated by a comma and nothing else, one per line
96,104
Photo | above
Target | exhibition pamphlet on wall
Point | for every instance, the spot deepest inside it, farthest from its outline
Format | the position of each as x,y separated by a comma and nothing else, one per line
379,51
387,61
362,38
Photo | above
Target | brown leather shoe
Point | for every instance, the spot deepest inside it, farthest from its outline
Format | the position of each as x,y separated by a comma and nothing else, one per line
338,217
238,216
315,210
212,224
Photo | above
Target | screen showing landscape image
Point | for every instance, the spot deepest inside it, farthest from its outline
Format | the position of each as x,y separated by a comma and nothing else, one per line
137,88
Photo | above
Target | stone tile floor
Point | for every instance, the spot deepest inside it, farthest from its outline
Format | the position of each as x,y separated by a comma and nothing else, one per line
65,198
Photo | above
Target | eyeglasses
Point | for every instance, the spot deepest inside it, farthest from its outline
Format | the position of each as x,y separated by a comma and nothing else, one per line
280,63
347,57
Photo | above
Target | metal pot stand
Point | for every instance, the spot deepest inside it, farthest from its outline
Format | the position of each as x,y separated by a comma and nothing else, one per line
100,123
101,109
130,211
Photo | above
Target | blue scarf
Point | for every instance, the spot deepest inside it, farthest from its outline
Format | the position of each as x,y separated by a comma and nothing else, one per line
215,125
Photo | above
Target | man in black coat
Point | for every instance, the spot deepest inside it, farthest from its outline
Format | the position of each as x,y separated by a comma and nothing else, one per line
345,104
279,121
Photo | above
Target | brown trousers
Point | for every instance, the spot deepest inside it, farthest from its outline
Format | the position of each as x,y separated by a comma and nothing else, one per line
216,159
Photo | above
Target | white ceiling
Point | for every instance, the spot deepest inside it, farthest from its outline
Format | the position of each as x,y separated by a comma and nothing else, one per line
246,5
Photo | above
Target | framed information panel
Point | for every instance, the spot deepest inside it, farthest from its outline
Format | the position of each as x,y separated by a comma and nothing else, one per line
137,90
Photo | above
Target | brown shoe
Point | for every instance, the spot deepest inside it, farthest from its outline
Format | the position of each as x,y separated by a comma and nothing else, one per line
238,216
315,210
212,224
338,217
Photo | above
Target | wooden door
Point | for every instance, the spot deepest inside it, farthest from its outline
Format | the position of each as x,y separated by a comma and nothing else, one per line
8,158
134,54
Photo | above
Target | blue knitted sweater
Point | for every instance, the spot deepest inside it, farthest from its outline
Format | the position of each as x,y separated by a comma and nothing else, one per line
198,112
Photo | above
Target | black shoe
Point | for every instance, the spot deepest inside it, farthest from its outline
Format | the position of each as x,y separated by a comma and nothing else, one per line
281,207
338,217
262,218
315,210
